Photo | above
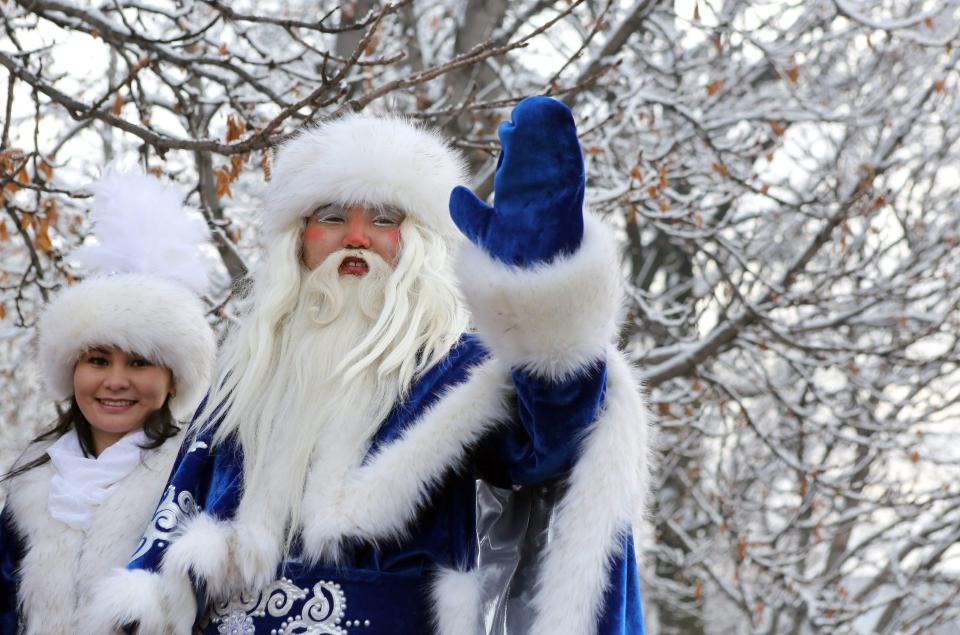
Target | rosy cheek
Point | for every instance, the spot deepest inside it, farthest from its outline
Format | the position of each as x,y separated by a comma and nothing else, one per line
394,236
314,233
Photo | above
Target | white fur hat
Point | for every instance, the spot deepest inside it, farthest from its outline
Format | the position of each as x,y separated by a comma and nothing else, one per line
141,296
365,159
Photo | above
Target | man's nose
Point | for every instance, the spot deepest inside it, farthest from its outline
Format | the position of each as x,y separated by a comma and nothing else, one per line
356,236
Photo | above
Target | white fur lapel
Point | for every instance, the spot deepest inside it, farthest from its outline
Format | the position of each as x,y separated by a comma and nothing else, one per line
376,500
379,499
605,496
61,564
49,570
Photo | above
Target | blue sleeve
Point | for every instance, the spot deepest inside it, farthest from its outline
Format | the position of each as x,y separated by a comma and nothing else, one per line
550,418
200,481
11,552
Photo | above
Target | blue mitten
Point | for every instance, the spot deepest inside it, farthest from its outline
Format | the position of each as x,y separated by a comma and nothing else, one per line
538,189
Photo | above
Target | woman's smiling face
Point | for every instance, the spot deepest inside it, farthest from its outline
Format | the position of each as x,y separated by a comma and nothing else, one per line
116,391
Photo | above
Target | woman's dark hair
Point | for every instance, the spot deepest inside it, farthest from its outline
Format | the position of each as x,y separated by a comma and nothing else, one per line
158,426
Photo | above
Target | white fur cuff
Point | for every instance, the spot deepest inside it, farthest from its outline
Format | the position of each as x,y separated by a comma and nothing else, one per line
204,550
158,604
456,597
551,319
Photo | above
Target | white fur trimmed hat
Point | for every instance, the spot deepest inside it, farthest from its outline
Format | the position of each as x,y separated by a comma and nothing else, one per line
142,295
378,160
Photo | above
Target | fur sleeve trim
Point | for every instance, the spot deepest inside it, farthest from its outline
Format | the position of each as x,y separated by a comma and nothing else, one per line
159,604
456,598
551,319
203,550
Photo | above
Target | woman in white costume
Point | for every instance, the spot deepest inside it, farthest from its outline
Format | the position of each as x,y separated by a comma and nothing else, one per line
129,351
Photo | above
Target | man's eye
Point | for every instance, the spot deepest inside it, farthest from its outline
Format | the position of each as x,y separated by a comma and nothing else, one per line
330,219
385,221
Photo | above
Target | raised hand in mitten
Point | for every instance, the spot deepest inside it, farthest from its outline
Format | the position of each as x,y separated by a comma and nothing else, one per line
537,212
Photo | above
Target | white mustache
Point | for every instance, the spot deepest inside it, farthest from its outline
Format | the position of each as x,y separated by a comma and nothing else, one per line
332,289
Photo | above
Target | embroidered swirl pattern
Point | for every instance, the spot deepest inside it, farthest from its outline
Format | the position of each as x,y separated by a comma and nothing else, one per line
172,508
321,614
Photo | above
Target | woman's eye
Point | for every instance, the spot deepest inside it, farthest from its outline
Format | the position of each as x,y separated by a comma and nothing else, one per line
141,363
97,360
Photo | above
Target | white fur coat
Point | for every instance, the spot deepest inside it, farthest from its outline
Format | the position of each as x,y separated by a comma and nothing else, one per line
61,564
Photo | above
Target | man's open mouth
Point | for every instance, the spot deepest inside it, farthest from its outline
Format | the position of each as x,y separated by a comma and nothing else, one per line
353,266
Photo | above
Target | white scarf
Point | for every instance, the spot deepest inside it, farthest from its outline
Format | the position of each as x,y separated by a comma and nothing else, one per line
81,483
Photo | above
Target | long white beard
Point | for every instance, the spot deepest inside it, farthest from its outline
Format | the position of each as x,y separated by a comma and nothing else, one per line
315,417
315,367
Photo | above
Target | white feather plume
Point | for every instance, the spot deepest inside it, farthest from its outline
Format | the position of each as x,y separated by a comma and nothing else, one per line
142,226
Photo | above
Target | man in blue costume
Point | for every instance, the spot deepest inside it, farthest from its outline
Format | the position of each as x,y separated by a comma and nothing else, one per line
331,485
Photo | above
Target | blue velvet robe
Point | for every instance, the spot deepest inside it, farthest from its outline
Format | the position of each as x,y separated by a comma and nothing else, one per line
11,551
384,588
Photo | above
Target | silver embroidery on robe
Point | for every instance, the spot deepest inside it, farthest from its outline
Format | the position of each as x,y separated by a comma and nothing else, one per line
321,614
173,507
196,445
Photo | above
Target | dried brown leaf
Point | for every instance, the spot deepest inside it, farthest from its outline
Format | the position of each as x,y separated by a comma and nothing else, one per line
222,175
50,210
45,168
373,44
235,127
117,104
265,165
43,238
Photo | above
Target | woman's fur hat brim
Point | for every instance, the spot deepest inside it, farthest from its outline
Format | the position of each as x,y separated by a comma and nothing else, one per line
159,319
